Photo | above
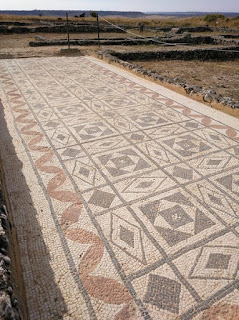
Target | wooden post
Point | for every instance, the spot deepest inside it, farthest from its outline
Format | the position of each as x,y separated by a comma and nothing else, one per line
98,29
67,29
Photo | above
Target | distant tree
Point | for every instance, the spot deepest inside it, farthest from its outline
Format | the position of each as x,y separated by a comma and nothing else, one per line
93,14
82,15
76,16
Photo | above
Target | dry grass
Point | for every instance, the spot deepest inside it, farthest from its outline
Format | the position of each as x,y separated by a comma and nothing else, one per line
222,76
153,21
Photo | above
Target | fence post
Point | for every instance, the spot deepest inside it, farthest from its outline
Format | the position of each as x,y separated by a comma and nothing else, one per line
98,29
67,29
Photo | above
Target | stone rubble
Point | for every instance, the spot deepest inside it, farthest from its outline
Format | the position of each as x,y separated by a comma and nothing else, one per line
8,302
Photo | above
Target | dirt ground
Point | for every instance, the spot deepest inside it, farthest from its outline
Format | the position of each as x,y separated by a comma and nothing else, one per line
220,76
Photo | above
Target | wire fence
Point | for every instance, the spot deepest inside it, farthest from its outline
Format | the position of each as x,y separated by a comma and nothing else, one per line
158,41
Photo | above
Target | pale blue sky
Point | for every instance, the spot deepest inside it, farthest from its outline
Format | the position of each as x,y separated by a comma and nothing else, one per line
122,5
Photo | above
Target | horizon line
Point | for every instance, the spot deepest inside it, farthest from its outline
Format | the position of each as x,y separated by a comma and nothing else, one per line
119,11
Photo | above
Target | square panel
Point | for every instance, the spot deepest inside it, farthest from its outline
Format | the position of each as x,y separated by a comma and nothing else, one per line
144,185
84,173
164,131
212,266
122,124
147,120
158,153
70,110
107,144
216,138
172,115
127,239
218,201
183,173
118,102
60,137
123,163
46,114
214,163
131,110
176,219
188,145
96,105
92,130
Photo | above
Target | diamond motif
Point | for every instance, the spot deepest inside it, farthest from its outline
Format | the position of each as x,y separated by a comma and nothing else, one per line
102,199
158,153
163,292
61,137
218,261
52,124
84,172
70,152
211,259
127,237
144,184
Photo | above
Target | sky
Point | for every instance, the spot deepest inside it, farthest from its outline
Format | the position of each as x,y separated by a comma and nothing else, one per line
123,5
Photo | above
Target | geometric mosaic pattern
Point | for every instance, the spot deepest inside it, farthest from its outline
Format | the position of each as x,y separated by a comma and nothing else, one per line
124,196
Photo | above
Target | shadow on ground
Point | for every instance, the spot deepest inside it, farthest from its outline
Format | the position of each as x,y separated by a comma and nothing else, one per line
29,253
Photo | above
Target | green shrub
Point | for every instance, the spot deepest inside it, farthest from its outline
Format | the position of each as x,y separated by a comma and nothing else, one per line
93,14
214,17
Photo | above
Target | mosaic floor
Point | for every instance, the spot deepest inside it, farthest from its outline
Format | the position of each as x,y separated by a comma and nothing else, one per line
124,194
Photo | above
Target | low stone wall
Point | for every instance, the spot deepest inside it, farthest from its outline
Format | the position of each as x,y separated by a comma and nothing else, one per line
128,42
59,29
191,40
192,54
90,42
194,29
181,30
208,95
14,23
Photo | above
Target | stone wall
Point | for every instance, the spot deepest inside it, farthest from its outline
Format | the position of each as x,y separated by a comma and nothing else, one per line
58,29
128,42
229,53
